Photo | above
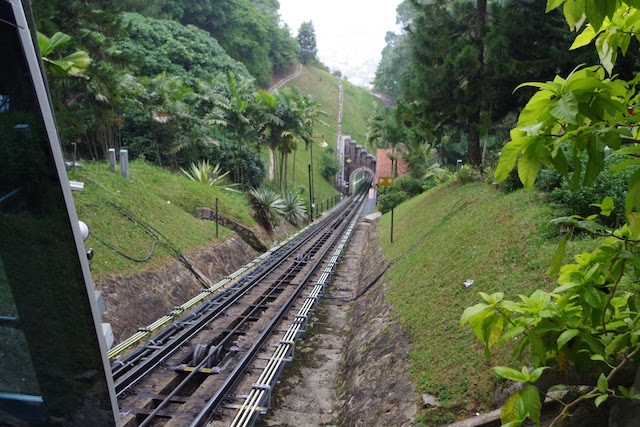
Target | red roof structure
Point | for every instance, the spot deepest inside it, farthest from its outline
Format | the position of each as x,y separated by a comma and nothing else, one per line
384,165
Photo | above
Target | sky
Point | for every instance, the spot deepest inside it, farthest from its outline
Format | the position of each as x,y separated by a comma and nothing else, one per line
349,33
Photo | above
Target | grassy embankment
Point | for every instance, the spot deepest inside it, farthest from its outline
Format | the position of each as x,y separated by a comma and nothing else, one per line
163,200
500,241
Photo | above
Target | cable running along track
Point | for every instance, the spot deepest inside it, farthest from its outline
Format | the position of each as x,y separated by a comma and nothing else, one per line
218,365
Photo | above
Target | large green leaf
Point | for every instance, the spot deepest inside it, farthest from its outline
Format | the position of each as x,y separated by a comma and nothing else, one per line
507,411
596,11
537,109
509,155
528,166
538,348
633,196
553,4
584,38
566,336
493,329
595,163
565,108
531,398
607,51
469,312
510,373
80,61
574,12
48,45
511,334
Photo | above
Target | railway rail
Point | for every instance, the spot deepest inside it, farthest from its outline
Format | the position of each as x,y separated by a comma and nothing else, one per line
218,365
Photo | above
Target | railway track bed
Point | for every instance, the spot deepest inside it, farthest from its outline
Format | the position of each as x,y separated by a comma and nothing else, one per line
218,366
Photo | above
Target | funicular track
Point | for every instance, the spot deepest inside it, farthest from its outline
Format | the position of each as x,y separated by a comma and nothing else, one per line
217,365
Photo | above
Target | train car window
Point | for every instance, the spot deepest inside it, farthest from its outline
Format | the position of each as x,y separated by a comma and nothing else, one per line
52,362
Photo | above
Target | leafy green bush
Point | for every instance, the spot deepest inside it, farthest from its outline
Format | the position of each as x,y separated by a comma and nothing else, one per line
570,202
294,208
329,164
411,186
268,206
467,174
390,200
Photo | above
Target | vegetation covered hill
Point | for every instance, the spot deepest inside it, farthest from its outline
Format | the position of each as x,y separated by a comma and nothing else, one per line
442,238
167,200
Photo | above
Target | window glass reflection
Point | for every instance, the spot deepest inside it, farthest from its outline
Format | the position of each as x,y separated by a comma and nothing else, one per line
51,368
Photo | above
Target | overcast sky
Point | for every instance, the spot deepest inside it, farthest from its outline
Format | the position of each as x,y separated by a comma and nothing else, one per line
349,33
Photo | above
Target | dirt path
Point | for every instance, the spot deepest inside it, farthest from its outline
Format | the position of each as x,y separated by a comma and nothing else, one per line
286,79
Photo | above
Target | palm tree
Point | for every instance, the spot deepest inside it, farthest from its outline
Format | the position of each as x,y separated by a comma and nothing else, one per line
287,108
268,122
237,112
169,102
417,157
386,130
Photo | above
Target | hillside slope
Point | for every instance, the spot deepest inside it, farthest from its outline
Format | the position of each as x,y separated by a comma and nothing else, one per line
158,200
442,238
357,106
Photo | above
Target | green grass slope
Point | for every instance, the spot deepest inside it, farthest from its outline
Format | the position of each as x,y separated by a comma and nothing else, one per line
358,106
442,238
155,198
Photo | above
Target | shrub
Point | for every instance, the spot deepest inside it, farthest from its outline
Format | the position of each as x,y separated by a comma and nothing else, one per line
268,206
614,185
467,174
207,174
294,208
330,165
390,200
411,186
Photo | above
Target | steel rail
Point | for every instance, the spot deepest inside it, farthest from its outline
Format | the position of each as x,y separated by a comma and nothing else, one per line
290,273
231,381
261,389
177,311
156,350
169,341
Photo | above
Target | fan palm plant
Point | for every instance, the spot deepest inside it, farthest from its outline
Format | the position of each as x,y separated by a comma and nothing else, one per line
294,208
268,206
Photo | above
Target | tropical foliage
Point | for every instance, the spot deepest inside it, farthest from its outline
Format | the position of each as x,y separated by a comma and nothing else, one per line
585,330
210,175
70,65
268,206
172,92
294,209
248,30
453,67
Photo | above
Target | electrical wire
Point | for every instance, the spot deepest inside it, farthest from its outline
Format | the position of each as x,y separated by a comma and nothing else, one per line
145,259
158,238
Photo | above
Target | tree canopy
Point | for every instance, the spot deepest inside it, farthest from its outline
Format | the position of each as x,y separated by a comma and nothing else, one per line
460,80
307,42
